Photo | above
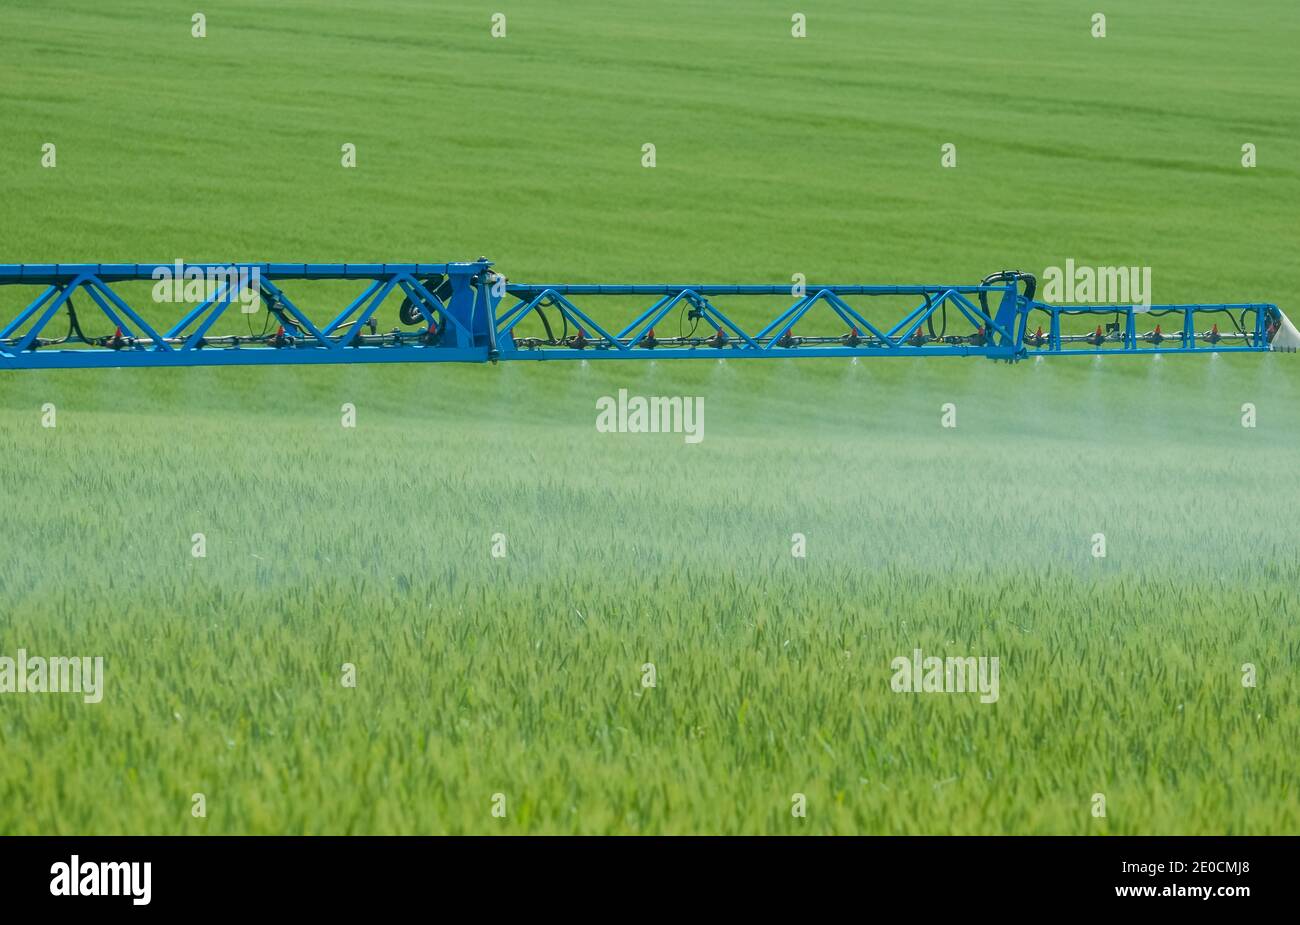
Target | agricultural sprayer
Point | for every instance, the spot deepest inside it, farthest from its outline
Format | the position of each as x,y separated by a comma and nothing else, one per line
470,313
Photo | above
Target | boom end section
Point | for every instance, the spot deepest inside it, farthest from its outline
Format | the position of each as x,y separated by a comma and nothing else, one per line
1286,339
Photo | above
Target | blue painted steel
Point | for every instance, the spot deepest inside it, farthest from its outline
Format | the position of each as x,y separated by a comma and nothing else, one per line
475,314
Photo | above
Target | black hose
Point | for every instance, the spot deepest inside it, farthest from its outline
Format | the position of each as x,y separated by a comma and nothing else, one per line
439,287
550,335
929,319
273,307
564,318
74,326
686,306
1031,285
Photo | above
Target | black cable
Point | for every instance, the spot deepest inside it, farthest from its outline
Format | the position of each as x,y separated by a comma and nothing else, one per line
1238,323
564,318
686,306
929,319
550,335
266,324
1030,281
273,307
74,325
440,287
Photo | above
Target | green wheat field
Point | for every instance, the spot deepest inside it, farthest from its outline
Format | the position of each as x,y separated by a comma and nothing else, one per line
523,675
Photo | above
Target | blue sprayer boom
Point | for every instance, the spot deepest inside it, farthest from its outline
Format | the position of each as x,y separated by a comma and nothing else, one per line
470,313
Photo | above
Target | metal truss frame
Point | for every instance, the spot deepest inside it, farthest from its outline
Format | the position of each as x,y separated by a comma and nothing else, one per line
475,314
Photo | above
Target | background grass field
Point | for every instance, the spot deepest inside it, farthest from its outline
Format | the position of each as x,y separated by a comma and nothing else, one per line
523,675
